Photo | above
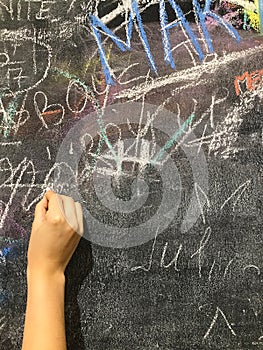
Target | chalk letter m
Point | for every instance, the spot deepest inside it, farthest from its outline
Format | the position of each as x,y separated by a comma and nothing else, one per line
96,23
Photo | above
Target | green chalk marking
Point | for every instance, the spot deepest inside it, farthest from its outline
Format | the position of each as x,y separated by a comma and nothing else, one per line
11,112
172,140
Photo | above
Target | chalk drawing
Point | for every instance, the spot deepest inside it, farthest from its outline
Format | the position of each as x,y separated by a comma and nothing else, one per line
22,167
47,110
27,10
199,191
2,322
174,261
227,267
15,143
76,81
22,114
200,250
250,12
14,185
223,141
193,74
96,23
144,268
8,115
259,341
17,72
237,193
134,18
225,273
14,115
48,152
143,154
251,266
217,313
211,271
172,139
252,81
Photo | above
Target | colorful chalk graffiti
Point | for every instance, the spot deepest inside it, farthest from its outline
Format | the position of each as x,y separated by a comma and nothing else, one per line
66,62
134,17
252,81
243,14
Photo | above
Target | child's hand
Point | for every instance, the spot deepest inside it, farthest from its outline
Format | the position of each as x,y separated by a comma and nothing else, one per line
56,232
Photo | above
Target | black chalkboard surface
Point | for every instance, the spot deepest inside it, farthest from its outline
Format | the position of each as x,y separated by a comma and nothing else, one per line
150,114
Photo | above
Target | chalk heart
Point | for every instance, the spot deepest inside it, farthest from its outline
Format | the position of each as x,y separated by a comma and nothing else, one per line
49,115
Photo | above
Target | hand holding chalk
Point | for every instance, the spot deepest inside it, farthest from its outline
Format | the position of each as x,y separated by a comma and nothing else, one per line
56,231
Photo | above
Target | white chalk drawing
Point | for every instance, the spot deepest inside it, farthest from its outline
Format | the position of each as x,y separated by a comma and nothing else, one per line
237,193
134,160
18,10
25,63
120,152
200,251
13,114
222,139
218,313
2,322
40,98
189,77
143,267
174,261
27,192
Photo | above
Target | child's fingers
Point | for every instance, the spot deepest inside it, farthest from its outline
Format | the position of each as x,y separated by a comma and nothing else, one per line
70,212
41,209
58,205
55,203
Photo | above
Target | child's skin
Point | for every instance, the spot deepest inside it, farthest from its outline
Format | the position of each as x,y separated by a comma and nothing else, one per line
56,232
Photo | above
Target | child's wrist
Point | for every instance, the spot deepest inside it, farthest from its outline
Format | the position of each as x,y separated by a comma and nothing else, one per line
41,276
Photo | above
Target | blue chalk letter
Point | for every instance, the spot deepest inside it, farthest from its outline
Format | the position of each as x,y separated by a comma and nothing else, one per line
207,12
166,29
134,15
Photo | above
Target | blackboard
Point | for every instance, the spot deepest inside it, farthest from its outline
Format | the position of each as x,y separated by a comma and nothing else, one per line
150,114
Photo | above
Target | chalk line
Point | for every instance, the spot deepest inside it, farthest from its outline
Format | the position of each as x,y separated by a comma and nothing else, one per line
190,74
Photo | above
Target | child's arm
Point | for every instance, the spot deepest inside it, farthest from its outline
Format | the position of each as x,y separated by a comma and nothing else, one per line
56,232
